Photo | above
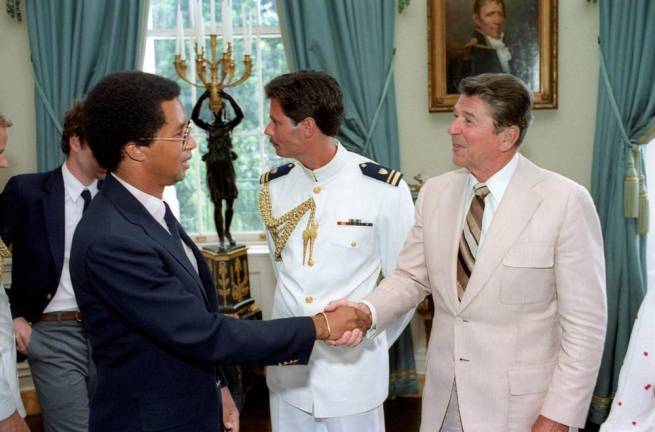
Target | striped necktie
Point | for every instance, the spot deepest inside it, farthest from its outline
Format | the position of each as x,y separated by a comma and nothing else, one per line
468,243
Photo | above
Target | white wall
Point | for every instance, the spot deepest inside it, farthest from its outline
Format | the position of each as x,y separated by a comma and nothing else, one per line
560,140
17,96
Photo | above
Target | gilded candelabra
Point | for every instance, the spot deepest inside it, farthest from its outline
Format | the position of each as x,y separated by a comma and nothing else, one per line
216,73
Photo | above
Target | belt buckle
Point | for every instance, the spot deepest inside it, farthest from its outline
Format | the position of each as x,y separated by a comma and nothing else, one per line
78,316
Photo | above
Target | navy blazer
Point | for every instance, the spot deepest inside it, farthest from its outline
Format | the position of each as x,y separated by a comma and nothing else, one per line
153,323
32,221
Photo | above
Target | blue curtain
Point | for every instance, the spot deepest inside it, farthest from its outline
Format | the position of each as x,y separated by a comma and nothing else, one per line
352,40
74,43
624,119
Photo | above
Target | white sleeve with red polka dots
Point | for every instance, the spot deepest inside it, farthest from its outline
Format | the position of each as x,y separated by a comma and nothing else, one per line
633,408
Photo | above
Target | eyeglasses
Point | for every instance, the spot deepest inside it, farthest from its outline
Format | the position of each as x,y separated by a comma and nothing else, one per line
184,139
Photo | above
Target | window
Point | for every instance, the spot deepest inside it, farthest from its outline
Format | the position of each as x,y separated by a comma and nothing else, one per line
255,154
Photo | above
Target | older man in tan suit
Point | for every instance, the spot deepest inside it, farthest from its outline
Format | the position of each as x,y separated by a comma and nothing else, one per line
513,257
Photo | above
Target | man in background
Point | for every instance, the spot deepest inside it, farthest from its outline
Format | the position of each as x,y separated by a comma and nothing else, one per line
335,220
147,297
39,213
11,405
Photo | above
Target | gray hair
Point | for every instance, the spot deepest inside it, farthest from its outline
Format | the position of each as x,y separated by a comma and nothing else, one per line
4,121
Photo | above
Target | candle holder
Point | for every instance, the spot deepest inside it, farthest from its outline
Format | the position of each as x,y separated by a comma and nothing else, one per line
216,73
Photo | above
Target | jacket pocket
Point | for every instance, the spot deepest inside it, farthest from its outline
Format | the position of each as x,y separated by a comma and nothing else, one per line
530,380
353,237
528,274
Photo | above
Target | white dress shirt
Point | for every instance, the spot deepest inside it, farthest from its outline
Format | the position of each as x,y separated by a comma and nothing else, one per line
64,298
157,209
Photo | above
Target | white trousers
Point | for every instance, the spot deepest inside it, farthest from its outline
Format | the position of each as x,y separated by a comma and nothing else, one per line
288,418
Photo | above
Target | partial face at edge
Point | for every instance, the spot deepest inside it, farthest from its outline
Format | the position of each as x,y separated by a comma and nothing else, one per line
4,163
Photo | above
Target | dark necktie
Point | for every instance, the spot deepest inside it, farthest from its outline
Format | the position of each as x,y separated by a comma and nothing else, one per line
86,196
171,223
470,240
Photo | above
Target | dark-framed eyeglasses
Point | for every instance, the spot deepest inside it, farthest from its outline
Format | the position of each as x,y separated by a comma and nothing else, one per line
184,139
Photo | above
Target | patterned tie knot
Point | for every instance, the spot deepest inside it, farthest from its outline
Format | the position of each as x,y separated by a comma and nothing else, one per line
481,190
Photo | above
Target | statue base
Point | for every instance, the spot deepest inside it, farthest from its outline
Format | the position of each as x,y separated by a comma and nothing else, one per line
229,270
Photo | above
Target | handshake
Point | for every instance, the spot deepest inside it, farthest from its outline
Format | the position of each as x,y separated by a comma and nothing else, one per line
342,323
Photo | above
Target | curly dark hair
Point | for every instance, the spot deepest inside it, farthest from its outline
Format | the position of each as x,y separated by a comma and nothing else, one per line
73,126
508,99
309,93
124,107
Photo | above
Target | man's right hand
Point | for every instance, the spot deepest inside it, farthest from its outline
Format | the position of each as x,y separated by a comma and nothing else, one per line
14,423
23,331
332,325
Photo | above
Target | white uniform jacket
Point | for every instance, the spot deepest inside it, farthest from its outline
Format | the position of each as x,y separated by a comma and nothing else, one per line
362,225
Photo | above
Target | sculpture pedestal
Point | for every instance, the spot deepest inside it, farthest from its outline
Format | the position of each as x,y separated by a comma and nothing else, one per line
229,270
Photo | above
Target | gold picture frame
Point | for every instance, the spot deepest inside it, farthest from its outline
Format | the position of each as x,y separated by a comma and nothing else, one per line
533,29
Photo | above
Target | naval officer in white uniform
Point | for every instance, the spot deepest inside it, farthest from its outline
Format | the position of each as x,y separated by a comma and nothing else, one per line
335,221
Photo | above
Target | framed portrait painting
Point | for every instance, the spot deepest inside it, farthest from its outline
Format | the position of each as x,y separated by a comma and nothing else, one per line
469,37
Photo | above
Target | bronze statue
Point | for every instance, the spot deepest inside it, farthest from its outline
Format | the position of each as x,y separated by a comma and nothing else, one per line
221,178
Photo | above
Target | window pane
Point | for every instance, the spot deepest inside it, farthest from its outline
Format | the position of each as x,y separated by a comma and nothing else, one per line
269,13
274,61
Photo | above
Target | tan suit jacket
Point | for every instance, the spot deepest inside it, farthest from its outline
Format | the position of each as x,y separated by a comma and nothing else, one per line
527,337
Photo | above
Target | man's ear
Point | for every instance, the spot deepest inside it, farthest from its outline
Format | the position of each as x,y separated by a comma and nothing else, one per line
74,143
509,137
309,127
134,152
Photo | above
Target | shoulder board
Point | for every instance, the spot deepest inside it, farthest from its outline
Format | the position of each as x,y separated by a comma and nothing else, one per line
280,171
378,172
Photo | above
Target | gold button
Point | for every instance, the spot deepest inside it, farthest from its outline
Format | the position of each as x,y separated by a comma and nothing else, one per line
48,297
317,189
353,243
310,262
309,299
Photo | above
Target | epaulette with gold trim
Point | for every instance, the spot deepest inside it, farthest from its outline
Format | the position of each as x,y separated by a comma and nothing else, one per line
280,171
378,172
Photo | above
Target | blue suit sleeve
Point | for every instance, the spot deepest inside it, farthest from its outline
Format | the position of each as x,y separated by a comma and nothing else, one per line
137,285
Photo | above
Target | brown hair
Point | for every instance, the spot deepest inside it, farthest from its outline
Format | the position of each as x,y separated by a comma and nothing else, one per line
73,126
309,93
507,97
478,4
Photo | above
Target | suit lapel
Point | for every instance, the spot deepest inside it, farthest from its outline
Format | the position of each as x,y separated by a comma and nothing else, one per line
54,216
449,226
199,261
134,211
513,214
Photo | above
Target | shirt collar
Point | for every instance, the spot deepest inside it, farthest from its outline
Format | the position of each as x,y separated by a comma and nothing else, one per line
153,205
498,182
73,186
332,168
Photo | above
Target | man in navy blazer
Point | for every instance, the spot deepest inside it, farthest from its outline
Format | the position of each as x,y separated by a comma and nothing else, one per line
38,215
144,290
